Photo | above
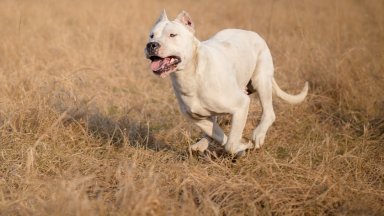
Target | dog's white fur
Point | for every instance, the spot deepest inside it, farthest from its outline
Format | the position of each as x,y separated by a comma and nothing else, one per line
214,76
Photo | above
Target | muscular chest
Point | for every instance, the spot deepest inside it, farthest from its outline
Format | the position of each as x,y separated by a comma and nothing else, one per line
196,96
192,106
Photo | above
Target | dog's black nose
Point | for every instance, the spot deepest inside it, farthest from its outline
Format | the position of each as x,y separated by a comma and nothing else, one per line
152,46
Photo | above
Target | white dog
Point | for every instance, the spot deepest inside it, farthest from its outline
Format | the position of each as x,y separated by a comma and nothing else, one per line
215,77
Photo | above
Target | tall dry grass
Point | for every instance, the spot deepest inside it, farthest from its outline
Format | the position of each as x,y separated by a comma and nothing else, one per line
86,129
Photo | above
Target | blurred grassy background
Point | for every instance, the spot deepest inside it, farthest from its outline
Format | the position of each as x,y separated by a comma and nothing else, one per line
86,129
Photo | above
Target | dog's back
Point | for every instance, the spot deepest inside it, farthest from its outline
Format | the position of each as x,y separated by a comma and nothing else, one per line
237,49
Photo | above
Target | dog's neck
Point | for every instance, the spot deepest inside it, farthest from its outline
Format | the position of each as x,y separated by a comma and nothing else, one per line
185,79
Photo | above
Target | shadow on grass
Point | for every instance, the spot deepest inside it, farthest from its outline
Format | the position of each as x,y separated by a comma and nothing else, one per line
121,131
116,131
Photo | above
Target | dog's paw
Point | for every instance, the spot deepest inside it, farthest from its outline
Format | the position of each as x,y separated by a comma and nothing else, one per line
258,139
201,145
238,149
239,154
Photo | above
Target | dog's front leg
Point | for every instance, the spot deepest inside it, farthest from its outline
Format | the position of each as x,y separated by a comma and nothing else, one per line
210,127
239,118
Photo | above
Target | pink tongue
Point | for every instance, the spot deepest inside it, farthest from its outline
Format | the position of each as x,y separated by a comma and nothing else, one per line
156,65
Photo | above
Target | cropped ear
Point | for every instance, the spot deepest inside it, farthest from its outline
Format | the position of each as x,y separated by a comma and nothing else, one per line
163,17
186,20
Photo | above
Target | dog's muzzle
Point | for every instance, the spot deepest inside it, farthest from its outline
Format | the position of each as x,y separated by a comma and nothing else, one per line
161,65
152,48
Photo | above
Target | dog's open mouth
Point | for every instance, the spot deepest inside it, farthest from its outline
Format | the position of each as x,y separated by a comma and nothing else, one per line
164,66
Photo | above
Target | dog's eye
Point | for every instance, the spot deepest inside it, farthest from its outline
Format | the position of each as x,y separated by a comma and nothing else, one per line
151,36
172,35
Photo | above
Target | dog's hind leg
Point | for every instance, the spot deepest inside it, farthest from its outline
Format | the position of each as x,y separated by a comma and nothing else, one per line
262,82
210,127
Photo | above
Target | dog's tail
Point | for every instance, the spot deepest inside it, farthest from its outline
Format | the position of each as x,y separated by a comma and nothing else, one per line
292,99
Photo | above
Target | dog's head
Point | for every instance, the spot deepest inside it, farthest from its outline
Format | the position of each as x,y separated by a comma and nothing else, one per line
171,44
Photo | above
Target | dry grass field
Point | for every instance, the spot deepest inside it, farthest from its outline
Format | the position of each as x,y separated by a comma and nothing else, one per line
87,129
